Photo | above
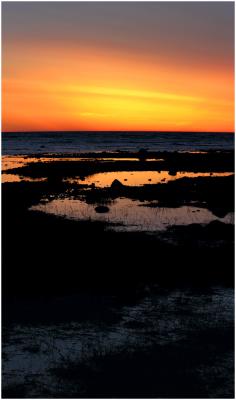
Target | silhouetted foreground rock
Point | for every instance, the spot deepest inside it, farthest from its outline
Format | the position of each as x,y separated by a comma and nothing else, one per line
116,185
102,209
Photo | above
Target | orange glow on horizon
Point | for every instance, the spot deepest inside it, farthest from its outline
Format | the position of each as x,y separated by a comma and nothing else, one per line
74,88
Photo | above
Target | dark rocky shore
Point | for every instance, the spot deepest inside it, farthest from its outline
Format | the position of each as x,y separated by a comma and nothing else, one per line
47,257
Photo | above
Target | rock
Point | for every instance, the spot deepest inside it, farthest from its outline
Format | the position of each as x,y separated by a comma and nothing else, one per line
102,209
116,184
142,154
142,151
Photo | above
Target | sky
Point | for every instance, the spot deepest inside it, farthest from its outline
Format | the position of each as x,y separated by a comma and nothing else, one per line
165,66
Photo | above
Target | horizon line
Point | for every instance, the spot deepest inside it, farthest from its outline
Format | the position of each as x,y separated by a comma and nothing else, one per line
123,131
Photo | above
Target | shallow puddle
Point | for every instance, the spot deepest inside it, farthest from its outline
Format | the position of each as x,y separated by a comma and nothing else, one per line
130,215
7,178
9,162
139,178
14,162
102,179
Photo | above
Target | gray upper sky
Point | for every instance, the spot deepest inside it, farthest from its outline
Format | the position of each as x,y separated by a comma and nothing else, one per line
190,31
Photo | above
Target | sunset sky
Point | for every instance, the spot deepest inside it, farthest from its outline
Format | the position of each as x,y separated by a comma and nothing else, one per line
118,66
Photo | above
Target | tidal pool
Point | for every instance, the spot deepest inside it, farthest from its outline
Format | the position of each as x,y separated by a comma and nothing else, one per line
131,215
7,178
9,162
13,162
139,178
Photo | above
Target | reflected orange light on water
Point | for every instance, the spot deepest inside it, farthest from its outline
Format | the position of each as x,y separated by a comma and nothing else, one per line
131,215
139,178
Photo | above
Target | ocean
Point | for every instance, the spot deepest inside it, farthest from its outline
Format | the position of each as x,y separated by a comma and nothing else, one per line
80,142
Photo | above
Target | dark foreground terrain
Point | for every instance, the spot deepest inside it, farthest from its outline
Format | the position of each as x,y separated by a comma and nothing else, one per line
90,311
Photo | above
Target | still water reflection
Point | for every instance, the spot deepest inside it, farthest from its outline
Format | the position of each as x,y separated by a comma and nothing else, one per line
17,178
9,162
139,178
131,215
